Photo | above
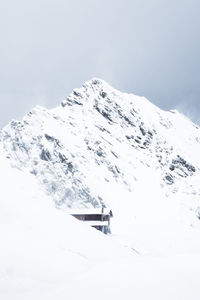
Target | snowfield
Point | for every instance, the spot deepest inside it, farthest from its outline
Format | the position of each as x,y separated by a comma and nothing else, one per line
46,254
100,147
43,248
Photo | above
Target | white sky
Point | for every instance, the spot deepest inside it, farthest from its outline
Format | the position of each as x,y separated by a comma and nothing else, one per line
147,47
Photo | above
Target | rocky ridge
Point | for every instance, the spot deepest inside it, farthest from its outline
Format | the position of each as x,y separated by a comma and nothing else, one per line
100,140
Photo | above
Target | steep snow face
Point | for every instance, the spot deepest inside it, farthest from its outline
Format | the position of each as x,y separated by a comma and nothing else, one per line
100,143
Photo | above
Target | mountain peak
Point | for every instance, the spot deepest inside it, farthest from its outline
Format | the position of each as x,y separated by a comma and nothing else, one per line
95,81
100,137
94,86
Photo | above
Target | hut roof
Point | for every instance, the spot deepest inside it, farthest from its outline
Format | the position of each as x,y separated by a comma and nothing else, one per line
88,211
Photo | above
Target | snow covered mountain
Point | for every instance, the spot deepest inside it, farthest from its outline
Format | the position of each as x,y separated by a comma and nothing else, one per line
100,142
100,147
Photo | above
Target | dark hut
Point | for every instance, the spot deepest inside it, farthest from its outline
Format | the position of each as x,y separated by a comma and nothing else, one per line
97,218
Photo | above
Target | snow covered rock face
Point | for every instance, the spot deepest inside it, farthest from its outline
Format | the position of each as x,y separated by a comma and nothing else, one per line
100,141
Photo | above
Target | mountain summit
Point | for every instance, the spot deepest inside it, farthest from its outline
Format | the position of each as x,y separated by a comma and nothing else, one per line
101,143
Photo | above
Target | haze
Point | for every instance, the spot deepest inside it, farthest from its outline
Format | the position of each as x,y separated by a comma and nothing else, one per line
148,48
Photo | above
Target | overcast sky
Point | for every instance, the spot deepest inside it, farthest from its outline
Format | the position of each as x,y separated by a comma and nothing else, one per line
146,47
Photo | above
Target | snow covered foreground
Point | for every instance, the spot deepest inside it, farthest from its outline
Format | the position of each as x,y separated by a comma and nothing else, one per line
46,254
42,248
100,146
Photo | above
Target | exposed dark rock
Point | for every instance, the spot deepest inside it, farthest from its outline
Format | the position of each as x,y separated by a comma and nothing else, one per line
104,113
64,103
103,129
137,141
103,94
68,102
181,164
52,139
146,143
129,121
70,167
120,113
172,167
169,179
129,137
96,81
198,212
77,102
114,169
113,153
62,158
150,133
45,155
100,152
77,94
142,130
34,172
49,138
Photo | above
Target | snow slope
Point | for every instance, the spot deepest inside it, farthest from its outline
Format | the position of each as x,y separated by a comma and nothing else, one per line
46,254
104,147
98,130
100,147
42,248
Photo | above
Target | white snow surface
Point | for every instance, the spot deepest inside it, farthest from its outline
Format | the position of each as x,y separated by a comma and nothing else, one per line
100,147
42,248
